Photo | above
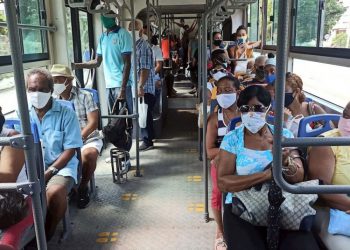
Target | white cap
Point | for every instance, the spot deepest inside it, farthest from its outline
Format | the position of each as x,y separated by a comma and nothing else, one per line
271,61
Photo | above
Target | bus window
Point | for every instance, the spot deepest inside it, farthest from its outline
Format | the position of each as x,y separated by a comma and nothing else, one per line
332,85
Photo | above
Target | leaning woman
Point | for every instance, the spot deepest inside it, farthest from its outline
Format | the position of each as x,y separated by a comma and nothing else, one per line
244,157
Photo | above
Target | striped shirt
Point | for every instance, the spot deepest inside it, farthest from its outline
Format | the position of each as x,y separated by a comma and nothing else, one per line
144,60
222,127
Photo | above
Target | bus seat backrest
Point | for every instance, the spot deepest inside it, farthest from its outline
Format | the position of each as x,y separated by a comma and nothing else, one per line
94,94
325,119
16,125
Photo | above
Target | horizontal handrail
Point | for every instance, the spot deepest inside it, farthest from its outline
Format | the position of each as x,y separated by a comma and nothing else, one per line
32,27
315,141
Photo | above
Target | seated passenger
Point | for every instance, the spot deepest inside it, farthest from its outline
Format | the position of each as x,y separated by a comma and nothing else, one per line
13,208
295,102
227,92
216,73
87,112
331,164
259,71
60,132
244,157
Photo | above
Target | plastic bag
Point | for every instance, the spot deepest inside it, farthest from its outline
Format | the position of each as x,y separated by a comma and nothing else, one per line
142,112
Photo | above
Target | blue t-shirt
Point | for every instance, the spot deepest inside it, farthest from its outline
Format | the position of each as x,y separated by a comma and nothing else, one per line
248,161
59,130
111,47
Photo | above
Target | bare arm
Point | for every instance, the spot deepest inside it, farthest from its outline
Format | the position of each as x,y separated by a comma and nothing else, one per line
322,166
179,24
88,65
144,73
126,69
61,162
299,175
92,124
212,134
228,181
159,66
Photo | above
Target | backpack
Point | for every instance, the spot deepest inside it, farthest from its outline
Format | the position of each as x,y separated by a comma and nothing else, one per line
118,130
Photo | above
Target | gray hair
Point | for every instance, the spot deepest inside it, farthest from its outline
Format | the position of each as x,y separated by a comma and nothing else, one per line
44,72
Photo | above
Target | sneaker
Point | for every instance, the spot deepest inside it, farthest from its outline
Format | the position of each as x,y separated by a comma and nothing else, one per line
83,198
125,166
193,91
220,244
145,147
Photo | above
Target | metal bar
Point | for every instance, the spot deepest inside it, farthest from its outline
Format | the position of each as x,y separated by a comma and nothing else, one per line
181,17
134,116
16,56
315,141
32,27
75,24
137,174
147,20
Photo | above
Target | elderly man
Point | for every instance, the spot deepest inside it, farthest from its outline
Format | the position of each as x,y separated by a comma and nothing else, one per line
145,82
87,112
115,48
259,71
60,133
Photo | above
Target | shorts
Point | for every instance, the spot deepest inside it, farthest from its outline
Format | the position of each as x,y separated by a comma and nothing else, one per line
66,181
216,196
98,144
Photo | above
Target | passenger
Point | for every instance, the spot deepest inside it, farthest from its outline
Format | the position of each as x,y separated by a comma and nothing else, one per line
88,115
243,50
259,78
232,45
158,61
295,102
13,208
146,86
116,63
270,75
181,25
244,155
193,63
186,40
227,91
330,164
60,132
215,74
218,48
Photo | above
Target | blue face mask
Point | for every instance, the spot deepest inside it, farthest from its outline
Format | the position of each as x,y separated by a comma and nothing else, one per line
270,79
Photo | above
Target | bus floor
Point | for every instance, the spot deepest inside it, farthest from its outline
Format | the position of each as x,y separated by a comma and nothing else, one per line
161,210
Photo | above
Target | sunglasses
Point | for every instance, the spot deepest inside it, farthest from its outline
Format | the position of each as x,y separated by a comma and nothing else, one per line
254,108
214,71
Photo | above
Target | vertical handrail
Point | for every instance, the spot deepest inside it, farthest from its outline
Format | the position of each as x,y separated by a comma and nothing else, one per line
16,57
137,174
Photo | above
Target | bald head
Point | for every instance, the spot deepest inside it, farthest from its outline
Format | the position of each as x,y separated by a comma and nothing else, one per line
138,25
260,61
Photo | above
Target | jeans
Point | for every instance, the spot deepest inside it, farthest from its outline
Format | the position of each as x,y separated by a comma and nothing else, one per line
113,93
148,132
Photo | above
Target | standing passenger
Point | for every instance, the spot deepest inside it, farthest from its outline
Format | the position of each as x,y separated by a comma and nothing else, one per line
145,82
115,47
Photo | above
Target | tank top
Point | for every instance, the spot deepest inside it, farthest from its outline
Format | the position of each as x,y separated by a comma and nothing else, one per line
222,127
165,48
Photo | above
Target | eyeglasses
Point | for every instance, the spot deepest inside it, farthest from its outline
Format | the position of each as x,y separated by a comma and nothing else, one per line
254,108
214,71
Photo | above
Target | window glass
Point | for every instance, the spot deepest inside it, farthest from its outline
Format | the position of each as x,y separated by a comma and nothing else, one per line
272,18
85,49
253,30
332,86
306,23
4,39
336,28
69,35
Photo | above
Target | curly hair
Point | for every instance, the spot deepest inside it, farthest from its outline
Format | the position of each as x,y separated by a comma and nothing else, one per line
294,81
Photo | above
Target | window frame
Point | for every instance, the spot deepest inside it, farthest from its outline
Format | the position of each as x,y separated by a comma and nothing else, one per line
33,57
249,24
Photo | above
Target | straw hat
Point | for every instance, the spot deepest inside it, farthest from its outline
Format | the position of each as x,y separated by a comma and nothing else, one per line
61,70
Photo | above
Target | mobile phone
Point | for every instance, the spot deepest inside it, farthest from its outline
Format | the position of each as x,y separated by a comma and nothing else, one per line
240,41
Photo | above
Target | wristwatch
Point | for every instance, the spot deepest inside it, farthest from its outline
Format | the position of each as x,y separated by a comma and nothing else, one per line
53,170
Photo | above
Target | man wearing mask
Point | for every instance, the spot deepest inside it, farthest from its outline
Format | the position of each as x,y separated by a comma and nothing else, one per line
259,66
145,82
87,112
60,133
115,48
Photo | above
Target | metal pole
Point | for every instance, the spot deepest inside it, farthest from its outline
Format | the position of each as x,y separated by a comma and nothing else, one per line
199,87
137,174
16,57
147,20
282,57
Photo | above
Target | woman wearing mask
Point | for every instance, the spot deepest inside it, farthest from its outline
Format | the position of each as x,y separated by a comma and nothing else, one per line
227,93
295,102
216,73
218,50
244,159
331,164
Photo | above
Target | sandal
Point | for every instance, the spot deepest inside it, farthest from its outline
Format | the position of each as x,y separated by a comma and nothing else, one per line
220,244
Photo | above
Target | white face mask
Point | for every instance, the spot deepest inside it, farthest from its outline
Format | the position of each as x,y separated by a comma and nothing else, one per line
226,100
218,75
38,99
254,121
59,88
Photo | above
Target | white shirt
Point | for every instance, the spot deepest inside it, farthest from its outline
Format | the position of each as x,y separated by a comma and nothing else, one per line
157,54
182,32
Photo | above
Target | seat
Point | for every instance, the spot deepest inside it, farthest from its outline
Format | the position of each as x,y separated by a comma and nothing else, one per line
326,120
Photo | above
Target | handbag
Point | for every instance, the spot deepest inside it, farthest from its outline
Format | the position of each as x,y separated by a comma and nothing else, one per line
252,206
142,112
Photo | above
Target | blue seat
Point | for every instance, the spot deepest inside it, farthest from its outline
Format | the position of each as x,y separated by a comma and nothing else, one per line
66,103
16,125
233,123
326,120
94,94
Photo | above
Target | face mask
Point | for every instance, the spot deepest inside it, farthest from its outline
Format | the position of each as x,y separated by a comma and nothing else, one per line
226,100
288,99
270,79
259,74
218,75
39,99
108,22
344,127
59,88
217,42
253,121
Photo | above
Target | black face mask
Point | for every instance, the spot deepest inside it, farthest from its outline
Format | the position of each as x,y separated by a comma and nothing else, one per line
259,74
2,121
288,99
217,42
